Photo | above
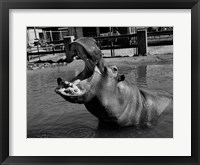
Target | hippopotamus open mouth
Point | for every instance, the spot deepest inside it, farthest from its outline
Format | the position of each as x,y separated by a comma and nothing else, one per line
105,94
87,50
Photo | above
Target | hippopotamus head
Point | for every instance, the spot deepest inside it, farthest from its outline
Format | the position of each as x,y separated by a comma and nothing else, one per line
83,88
83,91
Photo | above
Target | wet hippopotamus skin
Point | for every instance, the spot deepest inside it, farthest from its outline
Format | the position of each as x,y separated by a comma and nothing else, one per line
88,51
106,95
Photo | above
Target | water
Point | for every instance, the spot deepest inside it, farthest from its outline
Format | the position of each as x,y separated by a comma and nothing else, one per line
50,116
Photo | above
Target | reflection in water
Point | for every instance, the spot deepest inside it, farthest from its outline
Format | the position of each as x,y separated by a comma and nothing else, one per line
141,74
49,116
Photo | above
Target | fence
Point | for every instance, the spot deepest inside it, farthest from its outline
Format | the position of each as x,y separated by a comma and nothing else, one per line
141,40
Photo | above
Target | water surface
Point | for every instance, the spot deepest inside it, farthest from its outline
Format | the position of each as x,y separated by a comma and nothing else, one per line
50,116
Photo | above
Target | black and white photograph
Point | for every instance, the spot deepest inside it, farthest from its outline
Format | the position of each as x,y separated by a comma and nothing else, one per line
99,82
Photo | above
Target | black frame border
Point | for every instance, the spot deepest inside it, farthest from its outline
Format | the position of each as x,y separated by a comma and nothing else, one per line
6,5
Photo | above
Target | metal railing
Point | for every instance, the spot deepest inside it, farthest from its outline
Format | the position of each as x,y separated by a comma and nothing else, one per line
108,42
131,41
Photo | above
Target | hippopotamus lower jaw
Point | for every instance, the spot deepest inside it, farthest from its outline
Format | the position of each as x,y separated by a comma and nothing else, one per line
70,91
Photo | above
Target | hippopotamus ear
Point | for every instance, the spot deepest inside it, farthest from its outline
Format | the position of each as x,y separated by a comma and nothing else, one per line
121,78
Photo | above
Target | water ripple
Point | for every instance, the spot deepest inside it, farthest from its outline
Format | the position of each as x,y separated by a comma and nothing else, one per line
81,132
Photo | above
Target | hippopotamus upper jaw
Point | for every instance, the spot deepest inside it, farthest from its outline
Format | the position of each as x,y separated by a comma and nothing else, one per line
87,50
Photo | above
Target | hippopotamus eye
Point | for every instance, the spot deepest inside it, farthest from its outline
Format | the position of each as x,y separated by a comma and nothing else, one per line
114,68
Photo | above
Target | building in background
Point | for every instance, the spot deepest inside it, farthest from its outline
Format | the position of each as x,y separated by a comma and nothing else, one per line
56,34
52,40
46,34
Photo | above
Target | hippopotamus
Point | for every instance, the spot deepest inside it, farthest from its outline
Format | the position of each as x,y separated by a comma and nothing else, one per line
107,95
